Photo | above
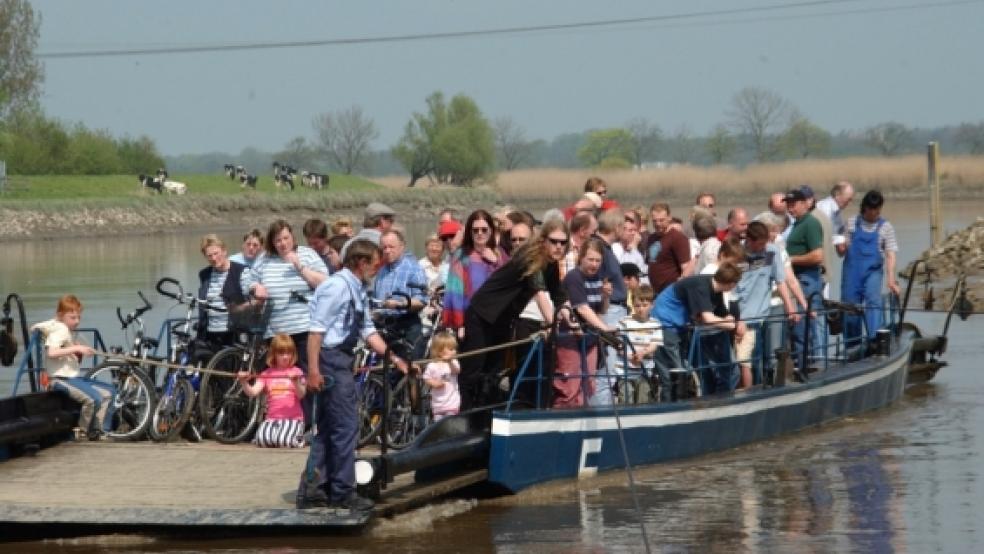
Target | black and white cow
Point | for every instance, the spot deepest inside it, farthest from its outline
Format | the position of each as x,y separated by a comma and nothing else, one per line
284,181
230,171
246,180
151,183
316,181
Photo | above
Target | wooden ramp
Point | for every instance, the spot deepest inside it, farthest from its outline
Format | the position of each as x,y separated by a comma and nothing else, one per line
181,486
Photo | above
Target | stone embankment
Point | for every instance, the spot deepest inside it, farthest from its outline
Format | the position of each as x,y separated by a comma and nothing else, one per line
962,253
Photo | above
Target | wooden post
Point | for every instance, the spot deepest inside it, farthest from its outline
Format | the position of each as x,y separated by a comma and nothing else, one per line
935,219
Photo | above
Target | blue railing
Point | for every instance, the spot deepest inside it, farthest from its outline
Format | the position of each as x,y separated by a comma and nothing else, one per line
32,362
830,350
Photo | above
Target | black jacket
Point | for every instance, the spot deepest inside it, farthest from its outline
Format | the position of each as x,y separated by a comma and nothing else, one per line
231,291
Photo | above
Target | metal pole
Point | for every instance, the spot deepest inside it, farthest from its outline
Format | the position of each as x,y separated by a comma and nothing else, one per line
935,220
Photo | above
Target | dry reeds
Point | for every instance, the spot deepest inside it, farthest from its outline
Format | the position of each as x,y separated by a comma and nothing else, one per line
960,176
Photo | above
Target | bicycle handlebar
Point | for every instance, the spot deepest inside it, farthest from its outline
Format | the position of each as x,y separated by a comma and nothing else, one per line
135,314
185,297
167,280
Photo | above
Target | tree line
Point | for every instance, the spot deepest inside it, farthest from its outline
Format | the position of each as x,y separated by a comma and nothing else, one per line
450,141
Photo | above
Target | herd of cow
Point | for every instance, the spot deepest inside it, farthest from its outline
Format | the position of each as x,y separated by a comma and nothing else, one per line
283,177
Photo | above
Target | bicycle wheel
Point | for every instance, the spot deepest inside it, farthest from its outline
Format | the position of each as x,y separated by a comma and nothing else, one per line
133,399
405,422
228,415
372,398
173,409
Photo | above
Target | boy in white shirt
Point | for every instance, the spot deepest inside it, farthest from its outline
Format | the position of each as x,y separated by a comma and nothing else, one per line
643,332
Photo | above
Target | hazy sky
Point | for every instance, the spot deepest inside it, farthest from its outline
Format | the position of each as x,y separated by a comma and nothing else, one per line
921,66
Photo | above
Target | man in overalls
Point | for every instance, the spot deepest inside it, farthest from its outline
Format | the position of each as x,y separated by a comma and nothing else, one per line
339,317
871,249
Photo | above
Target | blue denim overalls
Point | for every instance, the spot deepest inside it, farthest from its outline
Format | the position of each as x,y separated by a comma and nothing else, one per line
861,281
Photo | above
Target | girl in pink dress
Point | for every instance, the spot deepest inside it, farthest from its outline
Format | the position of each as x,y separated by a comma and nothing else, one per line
284,385
442,377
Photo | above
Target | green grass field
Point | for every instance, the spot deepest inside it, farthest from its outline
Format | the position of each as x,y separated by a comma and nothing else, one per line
65,187
56,193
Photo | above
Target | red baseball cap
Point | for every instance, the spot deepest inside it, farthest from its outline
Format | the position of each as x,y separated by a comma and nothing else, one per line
448,228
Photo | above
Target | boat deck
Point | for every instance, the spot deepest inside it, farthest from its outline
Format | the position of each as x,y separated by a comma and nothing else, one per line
181,485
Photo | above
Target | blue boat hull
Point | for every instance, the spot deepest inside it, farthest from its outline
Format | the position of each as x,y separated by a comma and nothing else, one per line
529,447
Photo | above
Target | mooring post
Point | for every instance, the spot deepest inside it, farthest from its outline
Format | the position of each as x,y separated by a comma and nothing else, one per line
935,220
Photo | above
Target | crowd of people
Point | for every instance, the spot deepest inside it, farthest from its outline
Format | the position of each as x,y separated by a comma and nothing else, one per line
592,269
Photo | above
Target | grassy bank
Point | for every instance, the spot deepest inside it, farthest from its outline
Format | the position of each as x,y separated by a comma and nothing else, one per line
58,206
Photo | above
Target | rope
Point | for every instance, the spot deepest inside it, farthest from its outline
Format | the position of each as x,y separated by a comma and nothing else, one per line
146,362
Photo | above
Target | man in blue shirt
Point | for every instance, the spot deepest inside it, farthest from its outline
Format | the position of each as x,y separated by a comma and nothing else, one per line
689,301
339,318
401,273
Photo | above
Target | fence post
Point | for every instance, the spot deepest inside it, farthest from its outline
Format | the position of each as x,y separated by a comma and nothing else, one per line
935,220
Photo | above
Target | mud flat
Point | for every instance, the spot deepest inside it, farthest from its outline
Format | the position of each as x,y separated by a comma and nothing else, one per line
961,253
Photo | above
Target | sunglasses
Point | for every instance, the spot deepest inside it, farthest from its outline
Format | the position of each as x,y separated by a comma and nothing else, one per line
477,230
558,242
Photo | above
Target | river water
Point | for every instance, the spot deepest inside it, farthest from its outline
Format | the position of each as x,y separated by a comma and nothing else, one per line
907,478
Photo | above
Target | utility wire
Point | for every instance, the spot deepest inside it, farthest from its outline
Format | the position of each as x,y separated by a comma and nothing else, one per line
227,47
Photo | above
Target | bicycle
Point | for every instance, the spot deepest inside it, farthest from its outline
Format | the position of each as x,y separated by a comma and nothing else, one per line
409,402
228,414
134,395
179,392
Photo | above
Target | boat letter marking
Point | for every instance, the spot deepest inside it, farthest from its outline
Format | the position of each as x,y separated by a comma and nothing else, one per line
588,446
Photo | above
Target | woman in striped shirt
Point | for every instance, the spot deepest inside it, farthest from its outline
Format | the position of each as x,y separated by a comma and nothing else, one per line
286,275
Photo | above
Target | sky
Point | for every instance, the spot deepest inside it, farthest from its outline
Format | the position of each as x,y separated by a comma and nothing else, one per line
845,64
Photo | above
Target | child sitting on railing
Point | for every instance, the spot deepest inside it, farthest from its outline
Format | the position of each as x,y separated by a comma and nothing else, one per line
442,377
64,353
284,384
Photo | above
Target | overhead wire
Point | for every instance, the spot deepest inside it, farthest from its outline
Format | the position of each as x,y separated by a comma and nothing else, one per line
531,29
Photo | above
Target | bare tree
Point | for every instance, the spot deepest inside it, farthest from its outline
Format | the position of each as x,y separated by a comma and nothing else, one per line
21,73
683,147
646,137
721,144
511,147
888,138
345,137
972,135
759,115
297,153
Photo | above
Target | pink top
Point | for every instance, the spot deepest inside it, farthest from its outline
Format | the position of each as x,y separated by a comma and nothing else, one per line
447,399
282,400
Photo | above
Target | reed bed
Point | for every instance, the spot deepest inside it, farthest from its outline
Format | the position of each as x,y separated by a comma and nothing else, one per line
960,176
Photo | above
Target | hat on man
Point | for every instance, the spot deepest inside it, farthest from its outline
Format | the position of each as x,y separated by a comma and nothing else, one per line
377,209
794,195
807,191
448,228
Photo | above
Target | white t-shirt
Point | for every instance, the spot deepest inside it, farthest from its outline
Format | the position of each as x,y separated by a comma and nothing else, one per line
57,335
641,334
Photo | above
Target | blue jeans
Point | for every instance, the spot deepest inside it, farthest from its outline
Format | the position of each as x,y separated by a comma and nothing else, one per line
607,375
868,293
720,374
668,356
810,282
333,447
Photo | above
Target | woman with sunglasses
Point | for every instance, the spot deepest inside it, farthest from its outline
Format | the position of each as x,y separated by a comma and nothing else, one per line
531,274
469,267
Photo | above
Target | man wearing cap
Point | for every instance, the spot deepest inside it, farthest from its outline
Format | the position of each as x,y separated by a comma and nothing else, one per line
377,220
449,232
805,249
